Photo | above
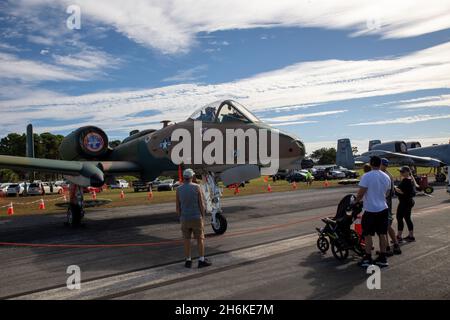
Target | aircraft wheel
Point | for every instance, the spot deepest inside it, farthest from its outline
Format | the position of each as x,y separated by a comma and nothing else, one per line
428,190
221,224
74,215
440,177
338,250
323,244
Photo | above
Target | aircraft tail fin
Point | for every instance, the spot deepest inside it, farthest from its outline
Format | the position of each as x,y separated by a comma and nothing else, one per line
344,154
373,143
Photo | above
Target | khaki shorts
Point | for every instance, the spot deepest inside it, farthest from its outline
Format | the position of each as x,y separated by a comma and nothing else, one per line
195,227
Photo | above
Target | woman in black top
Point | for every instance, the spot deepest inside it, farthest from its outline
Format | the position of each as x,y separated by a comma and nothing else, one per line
405,192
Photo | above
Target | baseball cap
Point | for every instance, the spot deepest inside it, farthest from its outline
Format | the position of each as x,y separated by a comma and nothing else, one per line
384,162
405,169
188,173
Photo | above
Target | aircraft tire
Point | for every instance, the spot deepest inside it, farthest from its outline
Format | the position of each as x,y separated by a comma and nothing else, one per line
428,190
221,226
440,177
74,215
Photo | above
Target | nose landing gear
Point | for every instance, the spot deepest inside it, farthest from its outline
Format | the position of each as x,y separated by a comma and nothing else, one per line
213,194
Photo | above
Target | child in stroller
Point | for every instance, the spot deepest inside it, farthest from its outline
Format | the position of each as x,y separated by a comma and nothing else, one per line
338,232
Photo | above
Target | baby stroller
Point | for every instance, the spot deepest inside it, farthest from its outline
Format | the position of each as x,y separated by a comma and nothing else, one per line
337,231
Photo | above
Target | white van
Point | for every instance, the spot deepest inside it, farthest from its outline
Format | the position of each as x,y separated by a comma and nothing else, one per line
119,184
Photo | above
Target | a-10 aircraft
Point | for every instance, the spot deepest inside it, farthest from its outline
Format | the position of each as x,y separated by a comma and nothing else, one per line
87,160
398,152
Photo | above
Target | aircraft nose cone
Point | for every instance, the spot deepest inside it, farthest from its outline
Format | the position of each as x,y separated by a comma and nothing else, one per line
301,148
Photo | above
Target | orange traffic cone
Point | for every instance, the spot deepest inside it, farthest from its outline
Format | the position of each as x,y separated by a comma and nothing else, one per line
326,184
122,195
42,205
94,195
150,195
269,188
10,209
294,185
266,179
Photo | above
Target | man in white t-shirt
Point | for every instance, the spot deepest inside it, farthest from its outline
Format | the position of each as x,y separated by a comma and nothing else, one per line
373,188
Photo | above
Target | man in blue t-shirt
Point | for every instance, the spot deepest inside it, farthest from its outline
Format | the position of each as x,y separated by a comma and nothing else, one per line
373,189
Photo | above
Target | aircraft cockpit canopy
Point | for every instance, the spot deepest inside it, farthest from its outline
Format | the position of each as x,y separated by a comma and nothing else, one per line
224,111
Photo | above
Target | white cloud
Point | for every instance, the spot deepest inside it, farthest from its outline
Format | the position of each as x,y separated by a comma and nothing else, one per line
172,25
305,115
278,124
40,40
188,74
87,59
295,87
12,67
404,120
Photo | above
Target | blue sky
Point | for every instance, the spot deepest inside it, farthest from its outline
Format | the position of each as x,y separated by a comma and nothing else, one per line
320,69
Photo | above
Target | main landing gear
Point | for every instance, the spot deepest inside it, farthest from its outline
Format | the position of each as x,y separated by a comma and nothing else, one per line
75,211
213,194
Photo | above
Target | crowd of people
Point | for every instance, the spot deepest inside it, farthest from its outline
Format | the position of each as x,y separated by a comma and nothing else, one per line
376,190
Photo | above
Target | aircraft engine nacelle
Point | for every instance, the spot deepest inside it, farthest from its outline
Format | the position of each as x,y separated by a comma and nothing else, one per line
84,143
393,146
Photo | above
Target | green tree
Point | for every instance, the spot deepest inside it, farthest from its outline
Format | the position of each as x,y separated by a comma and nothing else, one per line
324,156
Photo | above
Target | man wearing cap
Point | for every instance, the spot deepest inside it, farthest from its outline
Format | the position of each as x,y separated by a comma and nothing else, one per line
191,210
391,231
373,189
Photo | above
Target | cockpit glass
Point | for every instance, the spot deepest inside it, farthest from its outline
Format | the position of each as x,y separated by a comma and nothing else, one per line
206,113
226,111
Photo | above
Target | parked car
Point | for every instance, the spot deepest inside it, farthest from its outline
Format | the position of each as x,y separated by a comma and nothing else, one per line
120,184
51,188
350,174
34,189
167,185
4,188
15,189
92,189
280,175
139,185
297,176
337,174
320,174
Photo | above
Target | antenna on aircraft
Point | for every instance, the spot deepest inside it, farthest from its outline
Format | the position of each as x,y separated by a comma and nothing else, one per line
165,123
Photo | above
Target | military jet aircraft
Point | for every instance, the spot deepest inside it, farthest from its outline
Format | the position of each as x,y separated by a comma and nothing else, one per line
87,160
398,152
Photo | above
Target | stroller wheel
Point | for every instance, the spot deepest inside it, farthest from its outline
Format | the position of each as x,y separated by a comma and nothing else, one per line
338,250
323,244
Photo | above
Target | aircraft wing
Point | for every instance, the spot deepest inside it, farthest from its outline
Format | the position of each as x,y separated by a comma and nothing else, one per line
401,158
89,173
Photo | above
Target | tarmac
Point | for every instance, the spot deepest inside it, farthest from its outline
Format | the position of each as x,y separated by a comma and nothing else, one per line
268,252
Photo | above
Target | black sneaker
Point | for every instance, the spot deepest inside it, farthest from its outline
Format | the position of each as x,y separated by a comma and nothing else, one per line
389,252
365,262
188,263
381,261
397,250
409,239
204,263
399,239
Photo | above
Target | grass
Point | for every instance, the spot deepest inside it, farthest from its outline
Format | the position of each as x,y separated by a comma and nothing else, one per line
23,205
